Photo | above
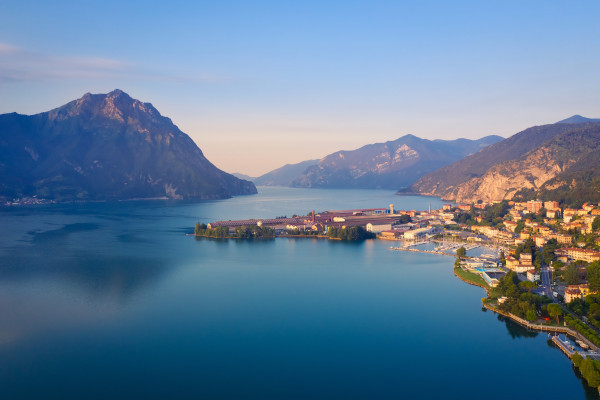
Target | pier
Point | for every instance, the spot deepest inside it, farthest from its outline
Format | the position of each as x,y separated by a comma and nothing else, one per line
423,251
565,347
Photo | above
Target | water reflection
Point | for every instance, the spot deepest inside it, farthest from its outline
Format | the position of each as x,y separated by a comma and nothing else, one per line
515,330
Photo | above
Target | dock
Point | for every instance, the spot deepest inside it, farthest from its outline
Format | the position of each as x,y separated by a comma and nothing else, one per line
565,346
422,251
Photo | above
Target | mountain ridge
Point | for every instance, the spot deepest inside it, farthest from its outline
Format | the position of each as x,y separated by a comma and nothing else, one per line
525,165
388,165
106,147
284,175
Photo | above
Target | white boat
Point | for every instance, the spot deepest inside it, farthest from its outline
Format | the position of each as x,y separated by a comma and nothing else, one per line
582,344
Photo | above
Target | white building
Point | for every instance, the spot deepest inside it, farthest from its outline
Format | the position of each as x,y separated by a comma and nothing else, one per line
420,233
533,276
378,228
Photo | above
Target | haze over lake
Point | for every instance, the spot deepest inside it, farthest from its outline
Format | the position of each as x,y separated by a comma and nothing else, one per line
113,300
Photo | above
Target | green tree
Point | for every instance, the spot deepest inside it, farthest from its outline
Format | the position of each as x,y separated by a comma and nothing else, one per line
461,251
558,265
526,247
531,315
596,223
588,368
554,311
571,275
593,276
527,285
520,226
537,259
548,254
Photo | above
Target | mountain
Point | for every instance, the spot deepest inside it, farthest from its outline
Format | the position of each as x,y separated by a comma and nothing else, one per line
443,182
283,176
102,147
389,165
539,161
243,176
578,119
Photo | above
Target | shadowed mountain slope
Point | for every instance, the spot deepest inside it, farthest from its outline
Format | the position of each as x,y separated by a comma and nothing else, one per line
102,147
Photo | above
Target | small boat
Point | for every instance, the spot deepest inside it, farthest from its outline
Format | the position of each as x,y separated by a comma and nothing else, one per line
582,344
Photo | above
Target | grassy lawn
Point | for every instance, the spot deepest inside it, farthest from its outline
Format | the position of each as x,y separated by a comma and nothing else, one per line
471,277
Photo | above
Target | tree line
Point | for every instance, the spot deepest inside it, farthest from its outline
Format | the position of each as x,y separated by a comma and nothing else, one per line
241,232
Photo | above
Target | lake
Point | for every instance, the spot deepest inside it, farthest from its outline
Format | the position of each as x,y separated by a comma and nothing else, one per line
113,300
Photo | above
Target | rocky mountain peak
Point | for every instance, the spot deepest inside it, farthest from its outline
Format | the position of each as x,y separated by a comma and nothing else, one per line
116,105
106,146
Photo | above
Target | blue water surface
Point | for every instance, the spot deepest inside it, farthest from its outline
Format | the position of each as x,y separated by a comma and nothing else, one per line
113,300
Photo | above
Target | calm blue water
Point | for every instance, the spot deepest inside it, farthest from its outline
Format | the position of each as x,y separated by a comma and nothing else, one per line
112,300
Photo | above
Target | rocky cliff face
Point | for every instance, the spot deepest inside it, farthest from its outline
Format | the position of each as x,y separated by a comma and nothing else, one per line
389,165
564,152
106,146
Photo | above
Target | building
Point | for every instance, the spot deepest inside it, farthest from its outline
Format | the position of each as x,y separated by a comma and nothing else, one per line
492,276
533,206
522,269
510,226
511,262
562,238
378,228
572,294
419,233
533,275
553,214
526,259
584,288
551,205
391,234
540,241
574,254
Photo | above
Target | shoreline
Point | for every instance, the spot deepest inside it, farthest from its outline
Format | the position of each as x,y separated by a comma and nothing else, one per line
526,324
274,237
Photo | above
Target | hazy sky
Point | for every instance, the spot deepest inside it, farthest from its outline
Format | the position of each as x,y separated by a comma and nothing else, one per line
258,84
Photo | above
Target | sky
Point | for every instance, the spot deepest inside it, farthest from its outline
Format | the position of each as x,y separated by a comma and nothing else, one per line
259,84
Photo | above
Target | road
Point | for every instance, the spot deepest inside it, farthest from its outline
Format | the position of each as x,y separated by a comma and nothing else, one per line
546,275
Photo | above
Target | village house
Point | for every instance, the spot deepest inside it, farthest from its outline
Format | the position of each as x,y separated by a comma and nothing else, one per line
533,275
533,206
553,214
510,226
572,294
570,254
540,241
526,259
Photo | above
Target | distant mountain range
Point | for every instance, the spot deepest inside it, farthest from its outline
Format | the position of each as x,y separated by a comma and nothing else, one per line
389,165
559,161
578,119
284,176
243,176
102,147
